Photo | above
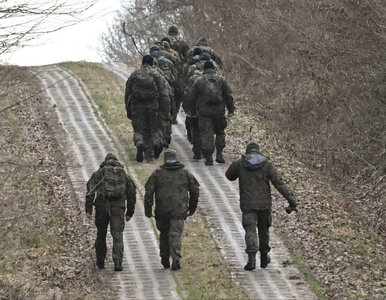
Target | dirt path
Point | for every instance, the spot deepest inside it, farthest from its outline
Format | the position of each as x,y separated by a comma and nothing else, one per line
219,199
88,142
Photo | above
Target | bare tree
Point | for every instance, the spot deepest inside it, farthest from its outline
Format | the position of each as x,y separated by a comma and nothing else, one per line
139,24
23,21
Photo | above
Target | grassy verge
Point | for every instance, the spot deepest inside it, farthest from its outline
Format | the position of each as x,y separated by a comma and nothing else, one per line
204,274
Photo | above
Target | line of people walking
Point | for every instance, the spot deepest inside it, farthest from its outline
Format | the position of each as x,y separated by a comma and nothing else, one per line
171,75
152,100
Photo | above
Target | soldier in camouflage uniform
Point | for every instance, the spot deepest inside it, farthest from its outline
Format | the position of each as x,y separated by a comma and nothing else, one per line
181,47
209,97
176,195
203,45
255,172
147,104
110,204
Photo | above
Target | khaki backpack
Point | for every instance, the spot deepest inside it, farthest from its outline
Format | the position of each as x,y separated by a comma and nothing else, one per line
211,91
114,182
144,86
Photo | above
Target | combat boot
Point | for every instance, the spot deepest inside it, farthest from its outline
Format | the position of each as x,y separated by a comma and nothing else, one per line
165,262
157,151
176,265
100,263
265,259
208,158
118,266
219,157
140,148
251,264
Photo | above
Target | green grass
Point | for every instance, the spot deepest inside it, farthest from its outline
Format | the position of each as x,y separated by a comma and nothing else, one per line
204,274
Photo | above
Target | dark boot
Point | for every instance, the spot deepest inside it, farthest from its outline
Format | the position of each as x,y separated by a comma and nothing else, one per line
118,266
157,151
265,259
251,265
219,157
197,156
140,148
208,158
101,263
176,265
165,262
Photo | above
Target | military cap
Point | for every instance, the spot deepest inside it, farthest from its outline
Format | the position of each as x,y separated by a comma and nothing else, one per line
154,47
252,147
173,30
170,156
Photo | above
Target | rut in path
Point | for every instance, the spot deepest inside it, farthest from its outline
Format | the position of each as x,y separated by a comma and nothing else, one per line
86,143
219,199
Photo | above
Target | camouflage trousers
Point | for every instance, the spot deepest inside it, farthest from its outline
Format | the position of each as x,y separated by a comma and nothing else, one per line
210,126
262,220
196,138
117,225
148,129
170,237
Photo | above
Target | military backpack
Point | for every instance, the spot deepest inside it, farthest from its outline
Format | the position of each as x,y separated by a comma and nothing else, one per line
144,87
211,90
114,182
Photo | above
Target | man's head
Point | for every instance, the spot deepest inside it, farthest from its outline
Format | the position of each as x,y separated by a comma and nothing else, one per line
166,45
166,39
208,65
173,30
202,42
197,51
205,56
252,147
110,156
147,59
170,156
155,51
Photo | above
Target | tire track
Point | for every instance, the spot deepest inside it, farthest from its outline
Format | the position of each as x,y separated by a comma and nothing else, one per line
219,199
87,144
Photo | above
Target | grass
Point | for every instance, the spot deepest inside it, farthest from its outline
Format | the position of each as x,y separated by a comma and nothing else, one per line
204,274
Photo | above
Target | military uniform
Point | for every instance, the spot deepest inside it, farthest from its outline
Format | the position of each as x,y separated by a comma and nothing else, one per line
210,111
255,172
176,195
147,115
109,211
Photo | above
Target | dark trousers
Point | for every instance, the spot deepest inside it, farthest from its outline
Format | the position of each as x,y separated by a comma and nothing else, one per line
262,220
148,128
117,225
170,237
210,126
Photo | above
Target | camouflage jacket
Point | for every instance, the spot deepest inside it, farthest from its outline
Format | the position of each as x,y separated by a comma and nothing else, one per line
196,100
94,197
255,172
163,101
176,191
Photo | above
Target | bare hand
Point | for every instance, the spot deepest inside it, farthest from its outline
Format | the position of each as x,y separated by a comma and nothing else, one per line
89,216
128,218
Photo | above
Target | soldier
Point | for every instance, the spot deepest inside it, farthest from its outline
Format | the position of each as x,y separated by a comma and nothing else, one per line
176,196
147,102
209,96
111,188
203,45
255,172
176,43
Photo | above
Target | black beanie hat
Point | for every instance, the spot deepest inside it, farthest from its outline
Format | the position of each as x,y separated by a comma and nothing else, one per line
197,51
147,59
166,39
208,65
252,147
